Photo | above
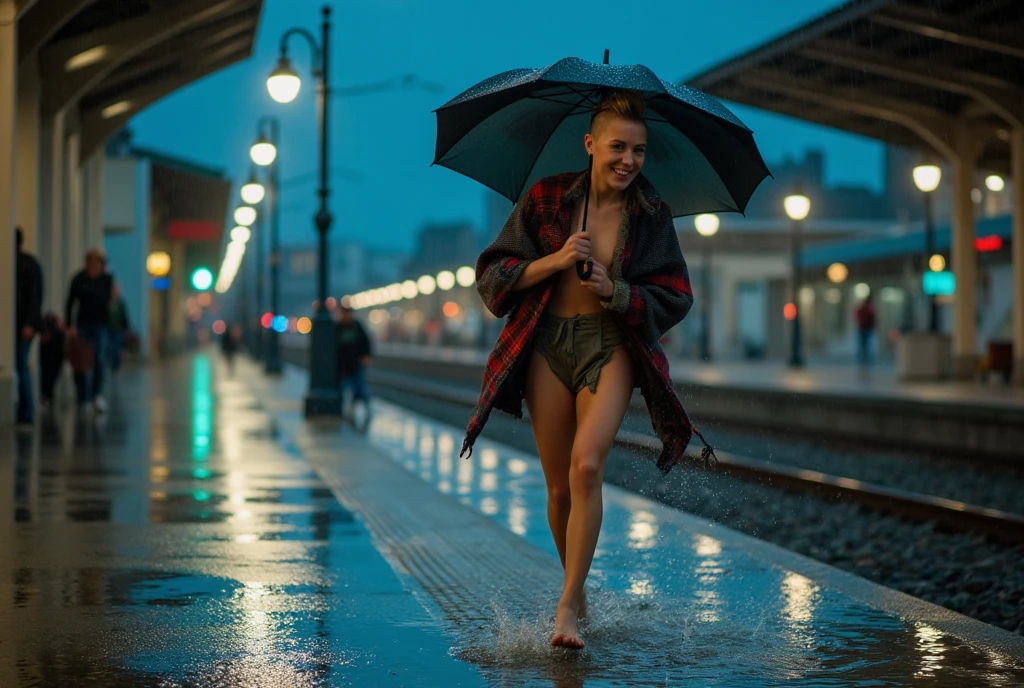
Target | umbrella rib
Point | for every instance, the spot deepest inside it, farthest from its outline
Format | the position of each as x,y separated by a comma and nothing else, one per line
553,129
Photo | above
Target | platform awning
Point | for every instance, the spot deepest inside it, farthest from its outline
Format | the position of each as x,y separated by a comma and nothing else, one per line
915,73
113,58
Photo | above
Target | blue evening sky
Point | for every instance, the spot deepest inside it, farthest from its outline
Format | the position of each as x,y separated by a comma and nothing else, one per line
382,144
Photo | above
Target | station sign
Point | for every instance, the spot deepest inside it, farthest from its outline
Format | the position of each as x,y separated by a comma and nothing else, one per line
938,283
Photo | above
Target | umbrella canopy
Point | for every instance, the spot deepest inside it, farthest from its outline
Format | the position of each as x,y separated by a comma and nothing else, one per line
515,128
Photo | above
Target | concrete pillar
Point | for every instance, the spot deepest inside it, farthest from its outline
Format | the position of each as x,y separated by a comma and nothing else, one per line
26,206
964,258
74,254
1017,246
92,201
177,326
8,94
50,238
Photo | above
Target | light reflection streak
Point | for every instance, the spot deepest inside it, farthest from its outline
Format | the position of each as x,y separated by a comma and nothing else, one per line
518,466
444,465
931,647
488,482
517,516
708,572
708,603
799,593
202,408
707,547
426,449
488,459
410,436
640,584
464,476
643,531
445,445
489,506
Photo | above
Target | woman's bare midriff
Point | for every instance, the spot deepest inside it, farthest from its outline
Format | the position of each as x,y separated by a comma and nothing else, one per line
570,298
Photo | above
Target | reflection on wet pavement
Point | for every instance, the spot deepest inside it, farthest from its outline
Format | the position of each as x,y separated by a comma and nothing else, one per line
181,540
183,548
670,605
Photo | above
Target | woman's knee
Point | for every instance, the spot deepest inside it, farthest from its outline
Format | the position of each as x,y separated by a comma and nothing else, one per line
586,470
560,495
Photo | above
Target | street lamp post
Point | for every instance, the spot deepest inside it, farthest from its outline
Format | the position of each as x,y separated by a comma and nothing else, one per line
245,216
264,153
252,193
797,207
283,84
927,178
707,227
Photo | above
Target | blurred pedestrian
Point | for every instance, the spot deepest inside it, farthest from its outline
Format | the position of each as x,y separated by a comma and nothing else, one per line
51,355
354,351
118,326
866,322
28,321
229,344
86,314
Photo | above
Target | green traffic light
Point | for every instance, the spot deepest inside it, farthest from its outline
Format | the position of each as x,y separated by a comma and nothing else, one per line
202,279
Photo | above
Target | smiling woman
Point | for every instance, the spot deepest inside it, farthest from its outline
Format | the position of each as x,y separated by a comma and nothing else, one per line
590,269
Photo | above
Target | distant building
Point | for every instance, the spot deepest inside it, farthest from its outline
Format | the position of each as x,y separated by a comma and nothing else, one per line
444,246
496,210
384,267
827,203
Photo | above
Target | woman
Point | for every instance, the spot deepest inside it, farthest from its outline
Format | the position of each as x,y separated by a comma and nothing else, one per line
576,348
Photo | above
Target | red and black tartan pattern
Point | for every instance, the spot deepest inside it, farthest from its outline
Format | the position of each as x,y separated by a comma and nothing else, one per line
652,293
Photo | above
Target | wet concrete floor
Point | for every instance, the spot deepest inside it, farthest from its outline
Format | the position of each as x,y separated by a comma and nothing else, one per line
675,600
203,534
176,541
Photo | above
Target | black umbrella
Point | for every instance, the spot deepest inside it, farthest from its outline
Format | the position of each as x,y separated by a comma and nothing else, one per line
512,129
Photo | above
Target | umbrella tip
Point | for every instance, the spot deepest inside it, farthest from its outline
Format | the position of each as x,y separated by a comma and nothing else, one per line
605,56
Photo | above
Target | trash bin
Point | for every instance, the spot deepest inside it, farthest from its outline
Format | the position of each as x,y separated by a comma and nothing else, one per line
923,356
1000,356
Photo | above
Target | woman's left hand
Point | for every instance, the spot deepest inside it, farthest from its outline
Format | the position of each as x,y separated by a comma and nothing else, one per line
599,282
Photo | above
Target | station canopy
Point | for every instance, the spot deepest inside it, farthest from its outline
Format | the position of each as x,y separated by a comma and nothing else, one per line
914,73
109,59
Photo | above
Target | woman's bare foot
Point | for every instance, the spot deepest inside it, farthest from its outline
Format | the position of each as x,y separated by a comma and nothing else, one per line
567,632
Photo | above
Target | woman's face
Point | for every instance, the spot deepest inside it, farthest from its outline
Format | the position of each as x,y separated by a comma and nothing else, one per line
618,146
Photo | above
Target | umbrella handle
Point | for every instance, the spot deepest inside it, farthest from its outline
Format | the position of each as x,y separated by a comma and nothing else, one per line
585,268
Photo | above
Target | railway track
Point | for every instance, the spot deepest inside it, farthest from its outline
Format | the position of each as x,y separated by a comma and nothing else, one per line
951,514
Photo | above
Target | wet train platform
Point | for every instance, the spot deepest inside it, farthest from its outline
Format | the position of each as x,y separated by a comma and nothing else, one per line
205,534
177,541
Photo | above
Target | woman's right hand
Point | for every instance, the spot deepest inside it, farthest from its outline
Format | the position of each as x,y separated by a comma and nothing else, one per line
576,248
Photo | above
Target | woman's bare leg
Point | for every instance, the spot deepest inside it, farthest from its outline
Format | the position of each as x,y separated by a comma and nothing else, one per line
553,419
598,416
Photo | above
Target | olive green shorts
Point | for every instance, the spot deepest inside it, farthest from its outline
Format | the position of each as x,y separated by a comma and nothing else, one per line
577,348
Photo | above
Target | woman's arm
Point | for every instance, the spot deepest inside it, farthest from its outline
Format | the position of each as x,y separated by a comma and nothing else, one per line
657,293
501,265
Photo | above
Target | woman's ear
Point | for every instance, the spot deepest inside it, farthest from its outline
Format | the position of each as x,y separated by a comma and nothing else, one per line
588,143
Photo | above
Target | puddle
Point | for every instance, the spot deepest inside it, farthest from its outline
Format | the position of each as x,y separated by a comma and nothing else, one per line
118,587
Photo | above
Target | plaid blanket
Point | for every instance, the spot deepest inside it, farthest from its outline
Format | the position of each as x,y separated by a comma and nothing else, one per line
652,293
